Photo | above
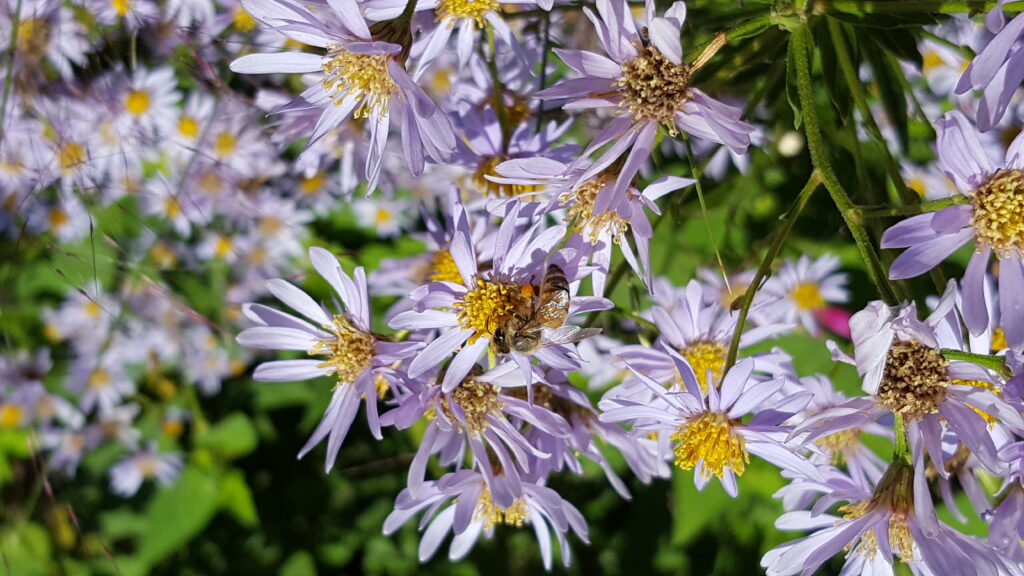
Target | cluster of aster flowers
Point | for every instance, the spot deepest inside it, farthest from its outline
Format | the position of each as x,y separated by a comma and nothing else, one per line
484,336
533,178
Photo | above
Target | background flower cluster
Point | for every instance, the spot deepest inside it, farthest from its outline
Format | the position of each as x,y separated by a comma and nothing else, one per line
682,287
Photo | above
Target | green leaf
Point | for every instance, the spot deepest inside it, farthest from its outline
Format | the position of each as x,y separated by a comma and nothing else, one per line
121,523
835,85
236,498
233,436
299,564
177,514
888,79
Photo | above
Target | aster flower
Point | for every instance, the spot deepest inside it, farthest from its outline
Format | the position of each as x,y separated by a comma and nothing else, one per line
841,447
599,215
474,308
127,476
482,416
359,76
803,291
706,426
463,503
645,78
899,358
701,334
997,70
359,360
895,520
993,218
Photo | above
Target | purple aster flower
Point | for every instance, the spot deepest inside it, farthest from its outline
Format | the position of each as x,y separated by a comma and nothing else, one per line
803,290
128,475
471,311
993,218
701,334
708,428
601,214
464,503
359,76
645,78
358,359
1006,525
843,447
895,520
997,70
483,415
899,358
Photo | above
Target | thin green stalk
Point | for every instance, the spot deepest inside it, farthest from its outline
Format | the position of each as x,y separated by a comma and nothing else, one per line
912,6
696,173
901,448
498,90
788,219
913,210
12,46
867,116
996,364
800,47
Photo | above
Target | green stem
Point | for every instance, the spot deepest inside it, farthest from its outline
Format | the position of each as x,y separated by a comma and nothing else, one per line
901,448
800,50
498,91
995,363
12,46
912,6
788,219
913,210
696,173
867,116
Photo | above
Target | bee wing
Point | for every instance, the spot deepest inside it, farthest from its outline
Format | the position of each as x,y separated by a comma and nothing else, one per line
570,334
553,307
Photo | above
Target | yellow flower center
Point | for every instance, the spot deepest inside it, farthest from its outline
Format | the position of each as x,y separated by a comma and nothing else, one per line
359,75
990,419
931,61
593,227
171,207
998,340
476,400
710,437
163,255
489,306
33,38
443,268
998,217
173,428
99,379
914,381
312,185
10,415
653,87
840,444
474,10
270,225
137,102
242,21
488,188
895,494
92,309
58,218
493,514
917,185
121,7
188,127
224,144
222,246
703,357
350,352
807,296
70,155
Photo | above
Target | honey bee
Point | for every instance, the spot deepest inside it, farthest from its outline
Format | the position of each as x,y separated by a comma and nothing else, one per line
541,319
